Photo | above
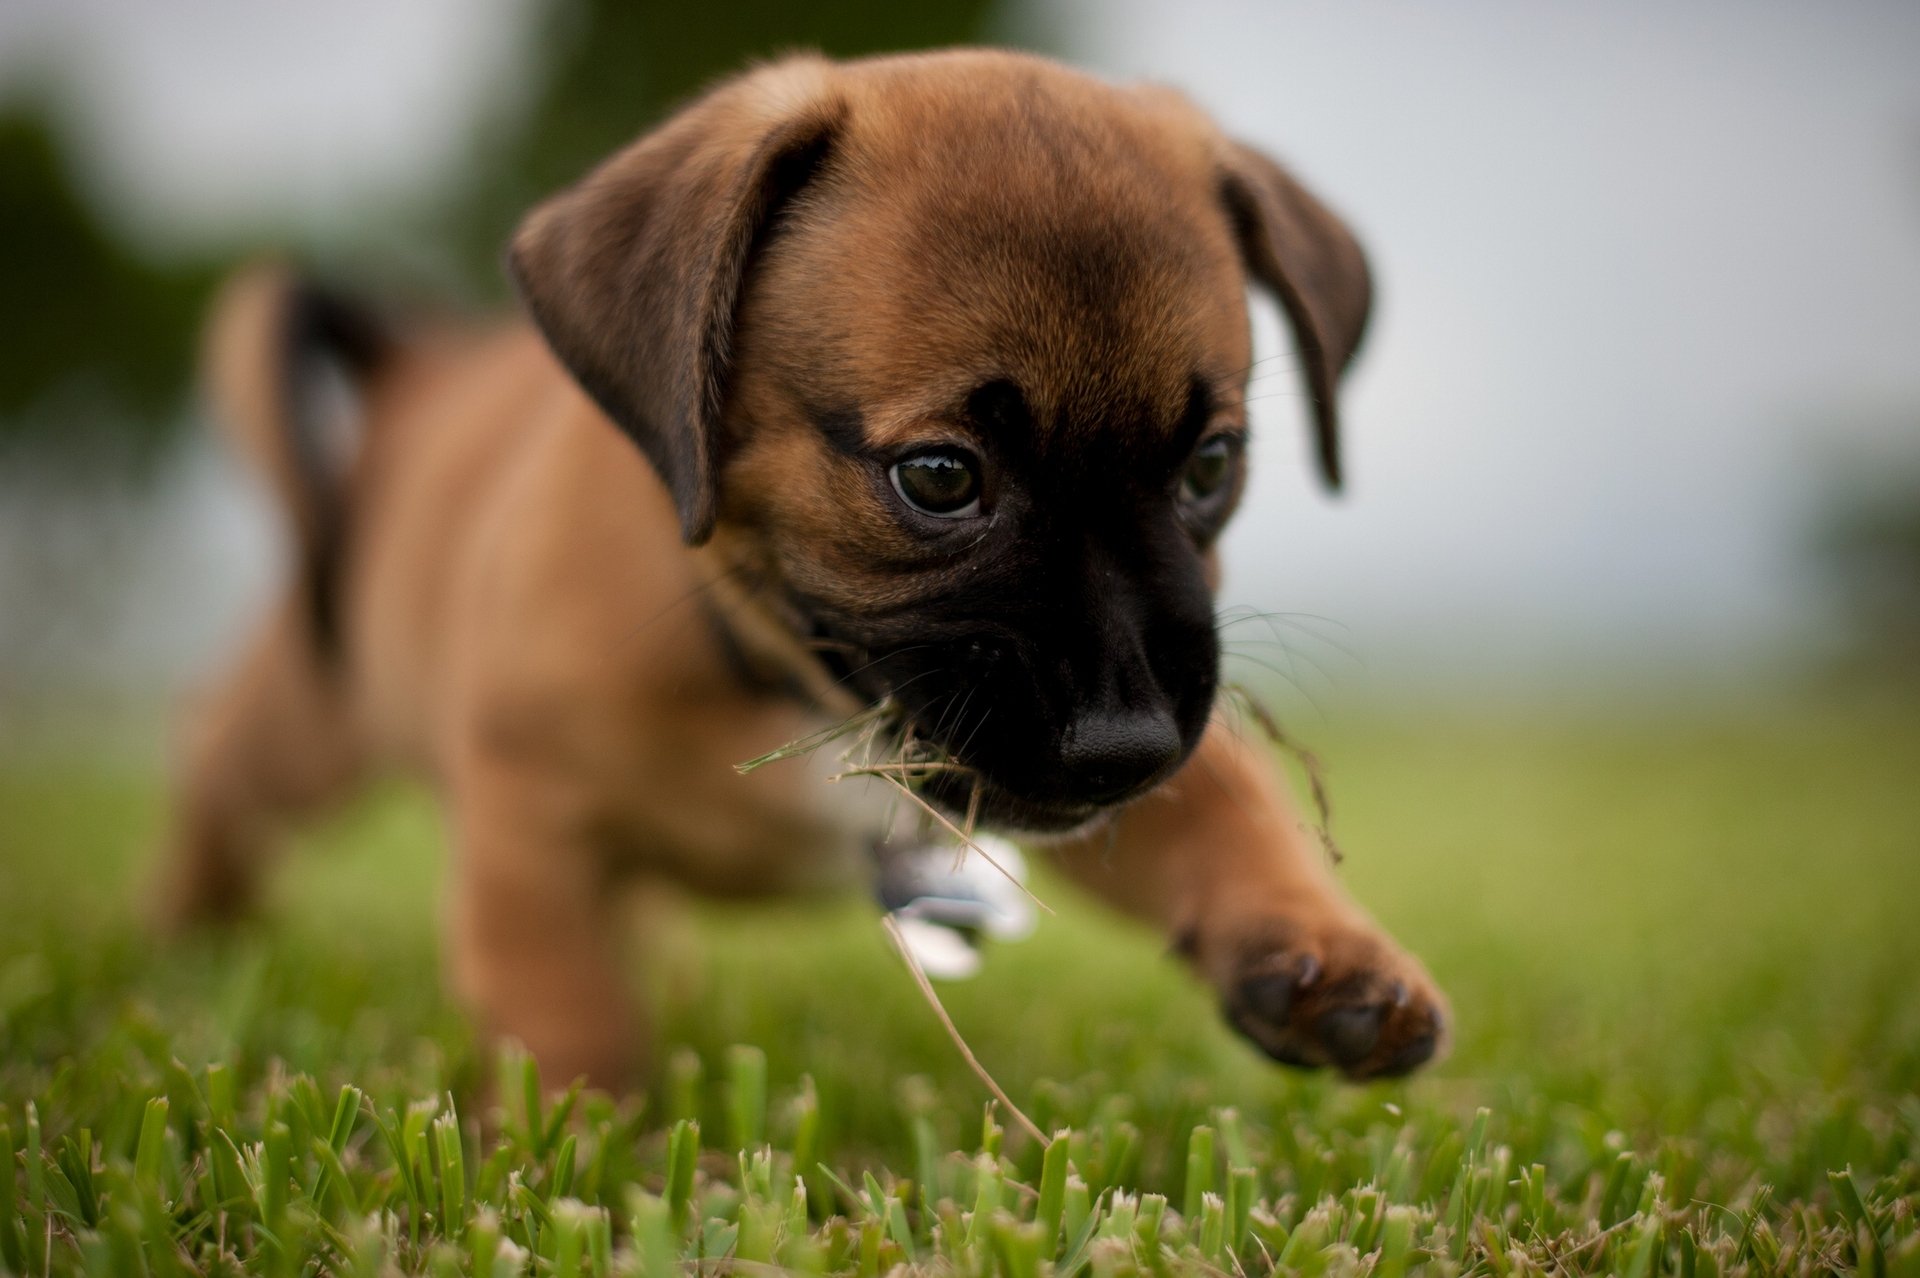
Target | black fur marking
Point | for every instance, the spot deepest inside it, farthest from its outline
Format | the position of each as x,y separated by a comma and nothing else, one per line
844,429
999,415
1193,422
999,409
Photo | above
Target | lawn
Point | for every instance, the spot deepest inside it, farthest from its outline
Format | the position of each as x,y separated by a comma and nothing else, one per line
1683,947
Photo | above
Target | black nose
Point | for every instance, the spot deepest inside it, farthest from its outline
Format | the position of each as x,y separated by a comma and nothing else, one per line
1112,755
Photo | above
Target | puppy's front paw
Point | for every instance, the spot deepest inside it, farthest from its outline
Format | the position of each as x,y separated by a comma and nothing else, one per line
1329,994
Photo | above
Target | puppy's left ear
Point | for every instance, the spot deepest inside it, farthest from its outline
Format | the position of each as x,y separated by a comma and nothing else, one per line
634,274
1310,261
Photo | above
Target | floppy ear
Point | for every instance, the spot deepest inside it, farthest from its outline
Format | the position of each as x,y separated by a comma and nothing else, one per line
1308,259
633,274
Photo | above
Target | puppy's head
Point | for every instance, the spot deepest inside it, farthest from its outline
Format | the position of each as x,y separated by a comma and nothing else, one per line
956,347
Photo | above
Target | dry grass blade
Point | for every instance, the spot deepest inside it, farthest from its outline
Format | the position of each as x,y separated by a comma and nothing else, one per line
1309,763
973,816
869,718
905,769
953,1031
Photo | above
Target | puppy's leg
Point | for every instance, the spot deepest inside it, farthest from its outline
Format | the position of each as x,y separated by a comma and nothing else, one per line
533,936
272,742
1217,858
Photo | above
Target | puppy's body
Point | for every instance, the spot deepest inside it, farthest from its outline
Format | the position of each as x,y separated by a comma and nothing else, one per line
812,274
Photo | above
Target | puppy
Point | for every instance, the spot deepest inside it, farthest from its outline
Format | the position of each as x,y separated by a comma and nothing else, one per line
917,381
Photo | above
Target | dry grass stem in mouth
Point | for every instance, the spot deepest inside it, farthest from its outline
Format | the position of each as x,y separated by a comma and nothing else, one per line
953,1031
868,719
1309,762
898,772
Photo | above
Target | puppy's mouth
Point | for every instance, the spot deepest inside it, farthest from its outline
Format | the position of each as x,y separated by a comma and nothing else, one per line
975,744
963,795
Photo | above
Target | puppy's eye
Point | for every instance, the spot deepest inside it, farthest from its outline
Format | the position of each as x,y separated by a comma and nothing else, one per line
1209,469
941,481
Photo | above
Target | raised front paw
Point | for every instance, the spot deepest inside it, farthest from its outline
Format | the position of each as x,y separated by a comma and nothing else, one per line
1329,994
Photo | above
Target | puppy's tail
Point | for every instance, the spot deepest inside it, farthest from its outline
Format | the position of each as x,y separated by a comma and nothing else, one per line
286,366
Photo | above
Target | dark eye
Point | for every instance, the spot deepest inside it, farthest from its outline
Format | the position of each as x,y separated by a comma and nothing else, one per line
941,481
1209,469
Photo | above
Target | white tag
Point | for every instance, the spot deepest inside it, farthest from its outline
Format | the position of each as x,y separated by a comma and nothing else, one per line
942,953
943,896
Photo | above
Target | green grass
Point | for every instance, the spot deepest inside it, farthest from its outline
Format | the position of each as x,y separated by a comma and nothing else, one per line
1683,952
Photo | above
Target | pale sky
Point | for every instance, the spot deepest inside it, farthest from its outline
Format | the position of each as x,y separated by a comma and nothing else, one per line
1649,276
204,117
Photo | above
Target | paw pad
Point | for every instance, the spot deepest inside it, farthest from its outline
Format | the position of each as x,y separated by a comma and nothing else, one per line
1360,1017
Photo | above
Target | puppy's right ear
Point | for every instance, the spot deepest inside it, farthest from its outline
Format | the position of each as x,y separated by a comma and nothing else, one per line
634,274
1309,260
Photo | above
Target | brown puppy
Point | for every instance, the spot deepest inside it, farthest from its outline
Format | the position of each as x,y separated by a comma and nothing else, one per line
936,368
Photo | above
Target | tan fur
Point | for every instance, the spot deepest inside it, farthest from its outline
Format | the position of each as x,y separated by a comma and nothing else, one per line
525,625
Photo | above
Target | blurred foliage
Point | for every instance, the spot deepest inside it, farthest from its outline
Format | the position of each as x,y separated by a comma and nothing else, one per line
1869,546
91,331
